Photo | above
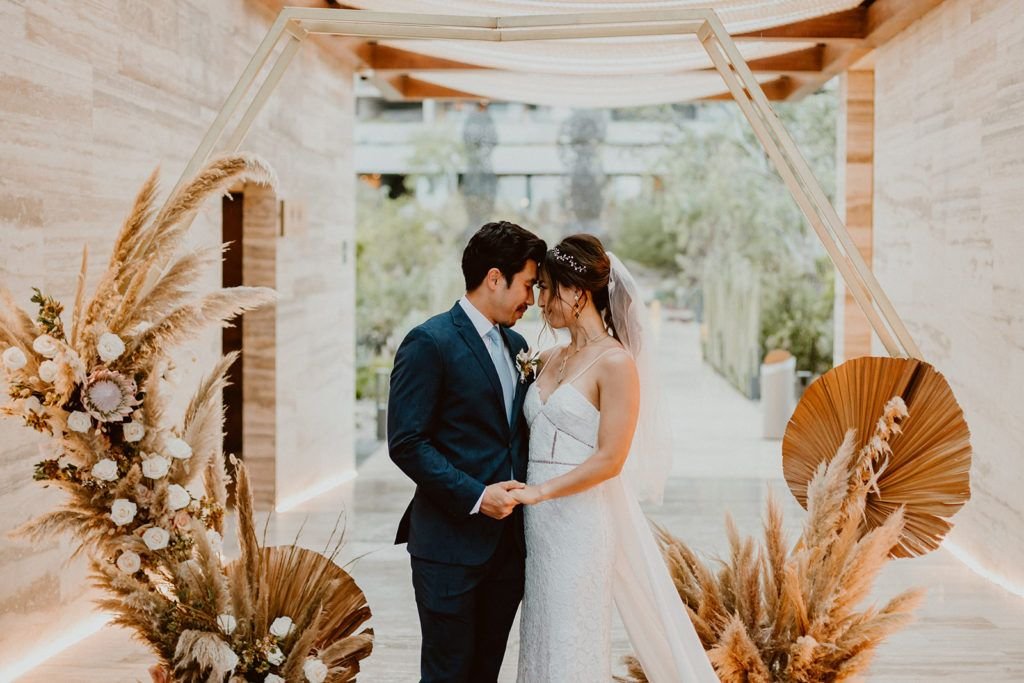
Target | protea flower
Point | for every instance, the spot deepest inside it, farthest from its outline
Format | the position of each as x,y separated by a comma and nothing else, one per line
109,396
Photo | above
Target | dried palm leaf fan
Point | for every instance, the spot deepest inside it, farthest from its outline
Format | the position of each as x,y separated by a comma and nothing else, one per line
319,594
320,597
928,470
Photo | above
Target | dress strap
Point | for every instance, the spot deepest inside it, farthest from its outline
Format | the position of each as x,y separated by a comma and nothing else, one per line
590,365
543,367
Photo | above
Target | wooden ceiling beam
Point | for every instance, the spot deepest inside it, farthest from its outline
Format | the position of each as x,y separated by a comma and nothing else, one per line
883,19
776,90
413,89
849,26
384,58
808,60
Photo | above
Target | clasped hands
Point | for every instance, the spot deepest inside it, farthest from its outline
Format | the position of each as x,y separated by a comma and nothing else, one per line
502,498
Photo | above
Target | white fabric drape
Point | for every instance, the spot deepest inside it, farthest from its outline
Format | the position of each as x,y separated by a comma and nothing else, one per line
656,620
605,72
659,627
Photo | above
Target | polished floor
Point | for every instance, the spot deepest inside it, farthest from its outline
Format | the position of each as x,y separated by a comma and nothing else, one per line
968,629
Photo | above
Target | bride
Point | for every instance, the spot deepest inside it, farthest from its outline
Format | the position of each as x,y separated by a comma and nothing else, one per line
588,544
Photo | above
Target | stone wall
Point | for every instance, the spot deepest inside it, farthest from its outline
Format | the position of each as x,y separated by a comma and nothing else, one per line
948,238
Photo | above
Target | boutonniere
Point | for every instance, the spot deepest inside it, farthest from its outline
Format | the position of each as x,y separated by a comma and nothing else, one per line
528,363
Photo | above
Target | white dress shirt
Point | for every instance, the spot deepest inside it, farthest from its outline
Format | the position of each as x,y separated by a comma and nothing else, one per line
483,326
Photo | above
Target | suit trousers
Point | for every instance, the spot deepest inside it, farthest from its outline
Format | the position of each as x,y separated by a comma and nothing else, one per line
466,612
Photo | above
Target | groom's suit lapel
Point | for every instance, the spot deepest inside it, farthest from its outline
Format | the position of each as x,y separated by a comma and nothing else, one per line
521,387
476,345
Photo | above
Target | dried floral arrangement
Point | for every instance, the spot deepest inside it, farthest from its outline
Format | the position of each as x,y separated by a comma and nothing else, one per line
776,613
146,498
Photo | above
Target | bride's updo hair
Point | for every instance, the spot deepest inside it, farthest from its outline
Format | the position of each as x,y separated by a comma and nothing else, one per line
580,261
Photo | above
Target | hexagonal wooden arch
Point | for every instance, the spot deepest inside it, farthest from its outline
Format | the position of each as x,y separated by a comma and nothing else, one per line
294,25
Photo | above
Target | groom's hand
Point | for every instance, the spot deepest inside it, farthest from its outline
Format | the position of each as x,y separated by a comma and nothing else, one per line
498,503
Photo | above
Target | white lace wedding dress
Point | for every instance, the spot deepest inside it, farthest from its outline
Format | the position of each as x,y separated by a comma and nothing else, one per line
584,553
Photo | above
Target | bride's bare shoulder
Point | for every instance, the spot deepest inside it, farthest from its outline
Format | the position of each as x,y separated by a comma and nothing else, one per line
616,361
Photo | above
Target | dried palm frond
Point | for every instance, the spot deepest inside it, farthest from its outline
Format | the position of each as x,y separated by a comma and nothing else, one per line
926,467
785,615
322,599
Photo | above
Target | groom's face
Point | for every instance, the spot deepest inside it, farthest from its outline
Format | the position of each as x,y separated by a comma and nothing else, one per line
512,299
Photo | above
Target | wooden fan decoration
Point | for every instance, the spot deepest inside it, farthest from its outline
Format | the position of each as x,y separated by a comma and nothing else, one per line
929,469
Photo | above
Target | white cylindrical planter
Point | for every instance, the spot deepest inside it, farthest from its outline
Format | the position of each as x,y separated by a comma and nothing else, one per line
777,399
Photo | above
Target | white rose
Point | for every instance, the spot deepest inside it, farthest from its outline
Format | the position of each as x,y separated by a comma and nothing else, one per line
273,678
31,405
133,431
45,345
177,448
155,467
216,540
109,347
122,511
14,358
156,538
48,371
282,627
79,421
105,469
275,657
226,623
315,670
129,562
177,496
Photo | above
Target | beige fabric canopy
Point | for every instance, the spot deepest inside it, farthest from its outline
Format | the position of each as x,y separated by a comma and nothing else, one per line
606,72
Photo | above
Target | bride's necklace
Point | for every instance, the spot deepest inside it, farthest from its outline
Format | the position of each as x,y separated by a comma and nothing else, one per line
567,356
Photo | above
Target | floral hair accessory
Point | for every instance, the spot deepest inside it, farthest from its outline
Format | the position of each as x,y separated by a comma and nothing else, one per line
569,260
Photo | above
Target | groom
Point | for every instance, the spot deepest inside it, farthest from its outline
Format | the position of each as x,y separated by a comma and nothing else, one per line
455,427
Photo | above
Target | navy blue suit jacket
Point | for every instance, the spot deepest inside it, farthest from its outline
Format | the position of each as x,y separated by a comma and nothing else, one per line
448,432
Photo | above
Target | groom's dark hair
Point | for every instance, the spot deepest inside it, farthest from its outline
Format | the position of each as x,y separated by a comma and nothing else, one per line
502,245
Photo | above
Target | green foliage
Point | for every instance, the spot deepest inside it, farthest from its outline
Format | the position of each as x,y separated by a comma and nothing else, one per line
49,313
721,194
399,252
796,315
407,269
642,236
437,151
